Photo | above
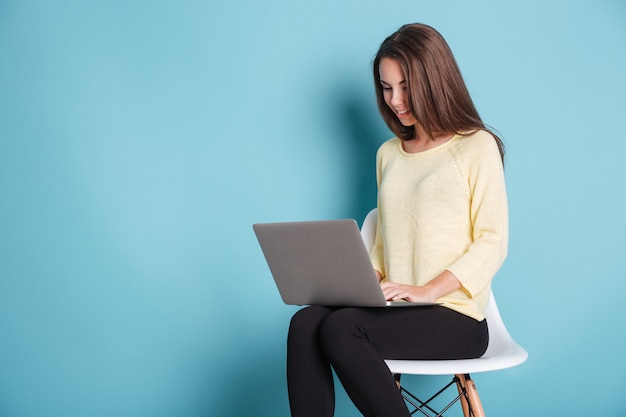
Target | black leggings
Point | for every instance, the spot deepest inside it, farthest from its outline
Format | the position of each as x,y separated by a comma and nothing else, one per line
355,342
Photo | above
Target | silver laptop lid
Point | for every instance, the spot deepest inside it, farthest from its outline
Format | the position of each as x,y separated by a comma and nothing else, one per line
322,263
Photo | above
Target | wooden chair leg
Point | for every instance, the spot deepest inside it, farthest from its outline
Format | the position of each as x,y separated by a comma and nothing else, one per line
460,386
474,400
397,378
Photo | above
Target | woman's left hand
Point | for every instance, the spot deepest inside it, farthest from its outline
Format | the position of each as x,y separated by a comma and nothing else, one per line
441,285
394,291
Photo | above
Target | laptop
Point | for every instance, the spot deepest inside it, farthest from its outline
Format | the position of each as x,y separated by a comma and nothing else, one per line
322,263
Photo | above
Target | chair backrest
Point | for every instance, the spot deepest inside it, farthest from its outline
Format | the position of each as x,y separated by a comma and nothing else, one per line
368,229
500,341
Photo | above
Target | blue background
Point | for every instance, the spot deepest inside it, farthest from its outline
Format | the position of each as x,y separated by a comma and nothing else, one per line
139,141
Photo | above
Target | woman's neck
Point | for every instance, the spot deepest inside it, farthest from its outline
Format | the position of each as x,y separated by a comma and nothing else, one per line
422,141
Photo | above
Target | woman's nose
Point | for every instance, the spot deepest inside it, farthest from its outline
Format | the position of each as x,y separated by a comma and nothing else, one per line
397,98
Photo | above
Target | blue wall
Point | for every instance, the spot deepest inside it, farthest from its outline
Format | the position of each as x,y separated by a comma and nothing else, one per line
139,140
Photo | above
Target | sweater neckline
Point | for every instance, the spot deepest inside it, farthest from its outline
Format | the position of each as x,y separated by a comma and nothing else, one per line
427,152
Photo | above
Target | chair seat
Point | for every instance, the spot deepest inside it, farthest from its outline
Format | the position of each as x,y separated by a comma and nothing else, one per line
502,360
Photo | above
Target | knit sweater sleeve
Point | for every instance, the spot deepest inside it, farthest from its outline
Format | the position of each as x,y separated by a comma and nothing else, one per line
377,253
477,266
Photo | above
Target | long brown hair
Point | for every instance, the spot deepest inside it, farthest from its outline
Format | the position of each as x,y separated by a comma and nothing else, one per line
438,96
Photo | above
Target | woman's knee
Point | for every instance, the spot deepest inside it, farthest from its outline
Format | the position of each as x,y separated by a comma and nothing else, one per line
308,318
341,327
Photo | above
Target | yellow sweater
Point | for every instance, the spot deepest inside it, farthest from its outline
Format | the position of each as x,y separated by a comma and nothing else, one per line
443,209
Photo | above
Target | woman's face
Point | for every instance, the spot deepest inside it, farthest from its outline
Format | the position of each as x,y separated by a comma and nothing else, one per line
395,90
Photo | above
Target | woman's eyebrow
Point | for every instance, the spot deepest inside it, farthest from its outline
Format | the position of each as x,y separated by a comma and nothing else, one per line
386,83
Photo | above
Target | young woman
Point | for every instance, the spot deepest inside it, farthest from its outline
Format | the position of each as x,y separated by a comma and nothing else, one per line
442,235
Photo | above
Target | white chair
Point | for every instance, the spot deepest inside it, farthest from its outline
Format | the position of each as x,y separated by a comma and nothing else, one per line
502,352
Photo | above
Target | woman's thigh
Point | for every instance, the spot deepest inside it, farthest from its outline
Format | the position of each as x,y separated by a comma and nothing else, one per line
413,332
